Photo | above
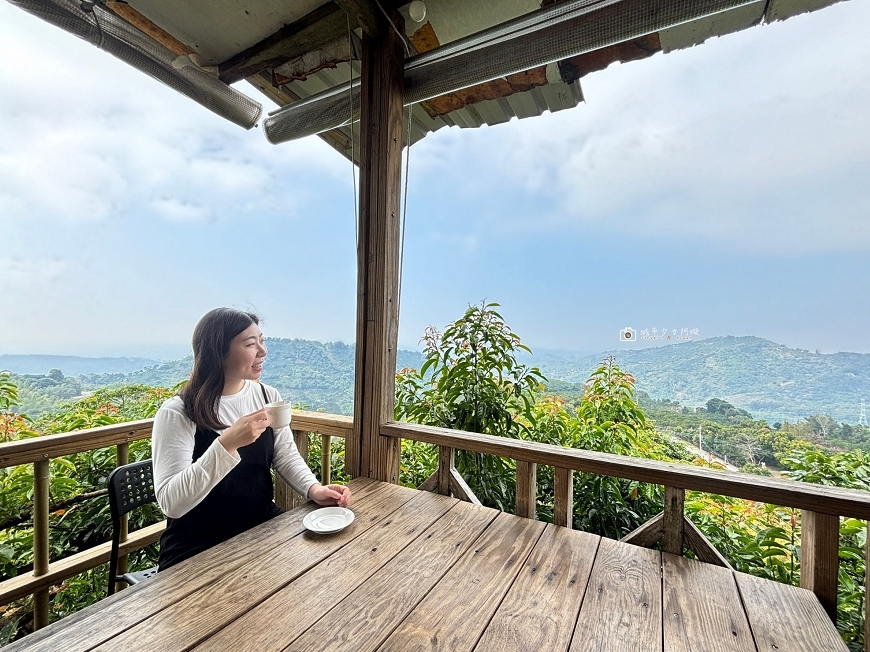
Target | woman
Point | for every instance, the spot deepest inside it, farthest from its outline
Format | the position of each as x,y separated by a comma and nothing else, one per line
214,447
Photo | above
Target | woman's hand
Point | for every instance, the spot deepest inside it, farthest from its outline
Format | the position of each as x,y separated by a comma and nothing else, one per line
244,431
331,494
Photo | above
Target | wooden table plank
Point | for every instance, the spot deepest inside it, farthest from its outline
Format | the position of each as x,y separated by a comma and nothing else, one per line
787,618
540,610
366,617
455,613
107,618
191,620
622,609
276,622
702,608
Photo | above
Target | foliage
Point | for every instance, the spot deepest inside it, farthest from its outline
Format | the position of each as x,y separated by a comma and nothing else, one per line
79,517
471,380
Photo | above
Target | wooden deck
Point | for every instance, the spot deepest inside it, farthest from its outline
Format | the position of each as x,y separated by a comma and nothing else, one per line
420,571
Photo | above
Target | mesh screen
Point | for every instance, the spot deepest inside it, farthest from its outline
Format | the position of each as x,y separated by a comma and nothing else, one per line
557,32
116,36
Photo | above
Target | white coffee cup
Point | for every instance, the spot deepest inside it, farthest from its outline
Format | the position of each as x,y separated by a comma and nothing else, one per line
279,413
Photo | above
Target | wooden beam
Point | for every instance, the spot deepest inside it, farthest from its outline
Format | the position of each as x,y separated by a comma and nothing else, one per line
527,489
381,94
445,463
460,489
775,491
701,546
672,540
313,30
25,584
563,502
648,534
820,550
144,25
366,14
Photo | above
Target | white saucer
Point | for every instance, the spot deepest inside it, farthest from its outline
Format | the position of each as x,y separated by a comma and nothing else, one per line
328,519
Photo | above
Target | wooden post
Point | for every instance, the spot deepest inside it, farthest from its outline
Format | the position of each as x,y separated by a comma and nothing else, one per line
563,505
40,540
122,457
325,459
867,589
445,465
527,489
672,540
381,96
820,550
285,497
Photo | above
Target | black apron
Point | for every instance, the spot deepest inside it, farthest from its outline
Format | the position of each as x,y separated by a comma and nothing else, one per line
242,500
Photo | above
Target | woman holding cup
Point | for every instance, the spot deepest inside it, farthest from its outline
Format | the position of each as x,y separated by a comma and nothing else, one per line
214,444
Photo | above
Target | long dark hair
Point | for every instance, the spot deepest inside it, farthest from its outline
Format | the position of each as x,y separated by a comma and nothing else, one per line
211,344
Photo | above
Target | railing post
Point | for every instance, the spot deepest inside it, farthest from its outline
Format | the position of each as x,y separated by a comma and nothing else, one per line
325,459
122,456
445,463
527,489
820,551
40,540
563,504
672,539
867,589
285,497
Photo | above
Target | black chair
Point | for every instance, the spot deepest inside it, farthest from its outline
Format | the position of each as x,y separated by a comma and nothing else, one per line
129,486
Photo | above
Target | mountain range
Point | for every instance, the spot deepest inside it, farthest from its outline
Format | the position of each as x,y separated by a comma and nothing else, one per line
769,380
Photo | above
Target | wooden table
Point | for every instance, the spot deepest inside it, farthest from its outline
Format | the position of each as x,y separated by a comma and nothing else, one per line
419,571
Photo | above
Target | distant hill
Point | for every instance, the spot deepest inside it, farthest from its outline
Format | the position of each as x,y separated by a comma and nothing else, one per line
71,365
769,380
316,374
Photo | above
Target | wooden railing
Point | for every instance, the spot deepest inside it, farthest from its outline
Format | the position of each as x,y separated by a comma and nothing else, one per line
39,451
821,505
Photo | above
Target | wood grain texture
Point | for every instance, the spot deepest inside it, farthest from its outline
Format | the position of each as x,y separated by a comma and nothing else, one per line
323,424
820,557
146,26
527,489
101,621
776,491
701,546
622,609
278,620
563,503
702,608
27,451
672,522
312,31
199,615
648,534
366,617
445,463
23,585
787,618
460,488
541,608
381,116
455,613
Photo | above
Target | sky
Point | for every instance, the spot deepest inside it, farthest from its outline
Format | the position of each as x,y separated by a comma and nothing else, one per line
721,189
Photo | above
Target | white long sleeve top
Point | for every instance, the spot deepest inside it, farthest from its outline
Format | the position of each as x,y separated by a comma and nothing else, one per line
181,484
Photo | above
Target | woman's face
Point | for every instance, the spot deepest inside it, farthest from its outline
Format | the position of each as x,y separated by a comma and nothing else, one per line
244,360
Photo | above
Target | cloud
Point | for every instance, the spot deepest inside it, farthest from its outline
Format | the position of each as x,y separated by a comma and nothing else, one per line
756,141
105,142
17,274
